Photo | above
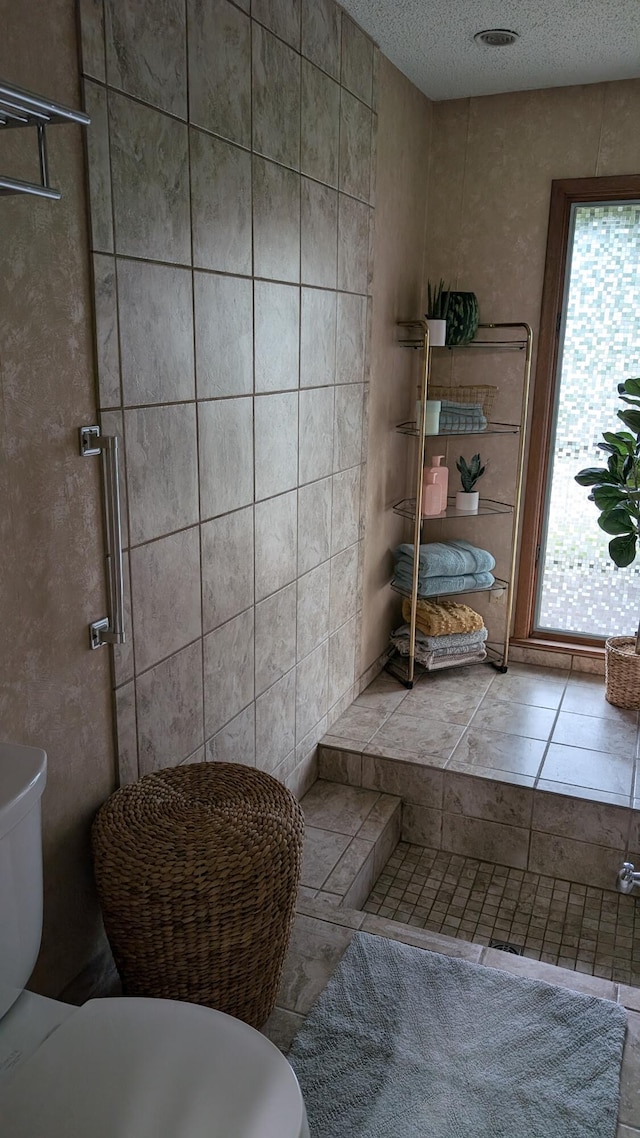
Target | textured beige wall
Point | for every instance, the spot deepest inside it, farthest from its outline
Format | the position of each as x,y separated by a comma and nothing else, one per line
404,125
54,692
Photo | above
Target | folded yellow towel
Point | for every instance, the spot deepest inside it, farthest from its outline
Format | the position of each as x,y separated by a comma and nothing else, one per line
441,618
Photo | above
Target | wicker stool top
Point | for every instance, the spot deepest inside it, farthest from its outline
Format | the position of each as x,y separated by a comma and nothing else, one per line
199,804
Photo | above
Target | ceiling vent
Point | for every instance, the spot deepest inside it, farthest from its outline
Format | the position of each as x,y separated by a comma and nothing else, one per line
496,37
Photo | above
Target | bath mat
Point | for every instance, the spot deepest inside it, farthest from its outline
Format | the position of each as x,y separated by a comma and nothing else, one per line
405,1043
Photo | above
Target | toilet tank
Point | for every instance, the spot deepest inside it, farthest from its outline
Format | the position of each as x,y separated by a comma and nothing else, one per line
23,772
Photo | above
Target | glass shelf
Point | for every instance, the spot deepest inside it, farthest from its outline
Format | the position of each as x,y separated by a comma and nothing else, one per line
498,586
407,509
410,428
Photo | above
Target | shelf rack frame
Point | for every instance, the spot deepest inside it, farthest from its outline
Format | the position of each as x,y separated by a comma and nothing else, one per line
415,335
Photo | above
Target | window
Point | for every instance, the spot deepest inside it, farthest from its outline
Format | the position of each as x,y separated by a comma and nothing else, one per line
569,590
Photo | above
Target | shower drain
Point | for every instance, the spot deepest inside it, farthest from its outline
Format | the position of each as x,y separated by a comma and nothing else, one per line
506,946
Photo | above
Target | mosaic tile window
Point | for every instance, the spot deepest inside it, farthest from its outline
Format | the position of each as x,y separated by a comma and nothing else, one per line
581,590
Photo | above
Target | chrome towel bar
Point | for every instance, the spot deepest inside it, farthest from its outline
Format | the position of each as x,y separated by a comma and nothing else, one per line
109,630
22,108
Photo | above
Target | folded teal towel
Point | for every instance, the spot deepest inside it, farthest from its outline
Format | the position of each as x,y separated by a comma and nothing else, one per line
461,417
441,586
445,558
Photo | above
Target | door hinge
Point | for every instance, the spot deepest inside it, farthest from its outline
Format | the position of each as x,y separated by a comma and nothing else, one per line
558,323
537,554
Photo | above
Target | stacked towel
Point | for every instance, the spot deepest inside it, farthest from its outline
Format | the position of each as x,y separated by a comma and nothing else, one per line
434,652
461,418
442,618
444,567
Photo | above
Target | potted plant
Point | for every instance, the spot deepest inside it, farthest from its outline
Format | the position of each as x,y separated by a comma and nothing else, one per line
615,489
467,499
436,315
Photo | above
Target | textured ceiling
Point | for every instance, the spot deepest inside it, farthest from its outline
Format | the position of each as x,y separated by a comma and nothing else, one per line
562,42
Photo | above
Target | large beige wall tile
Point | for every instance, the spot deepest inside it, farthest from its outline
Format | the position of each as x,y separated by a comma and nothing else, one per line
227,690
275,99
276,543
275,637
312,609
281,16
165,594
156,332
277,334
223,311
318,234
355,147
316,433
275,420
220,69
226,455
318,337
321,34
236,741
227,580
220,204
357,60
147,52
162,470
276,723
276,221
320,125
314,524
150,180
169,706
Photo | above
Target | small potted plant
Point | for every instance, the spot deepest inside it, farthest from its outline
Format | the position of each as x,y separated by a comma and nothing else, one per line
436,315
467,499
615,489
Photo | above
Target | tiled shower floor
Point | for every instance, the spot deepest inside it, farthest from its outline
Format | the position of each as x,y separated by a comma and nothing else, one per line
594,931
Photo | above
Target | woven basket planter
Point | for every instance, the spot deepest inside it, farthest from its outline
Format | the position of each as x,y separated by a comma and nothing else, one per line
622,672
197,869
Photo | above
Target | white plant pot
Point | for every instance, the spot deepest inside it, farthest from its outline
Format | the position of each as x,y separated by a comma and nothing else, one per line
467,501
437,332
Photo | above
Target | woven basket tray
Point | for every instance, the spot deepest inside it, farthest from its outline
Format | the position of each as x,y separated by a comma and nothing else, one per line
197,869
480,393
622,672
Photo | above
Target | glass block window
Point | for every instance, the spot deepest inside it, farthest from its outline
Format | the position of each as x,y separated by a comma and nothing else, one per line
580,590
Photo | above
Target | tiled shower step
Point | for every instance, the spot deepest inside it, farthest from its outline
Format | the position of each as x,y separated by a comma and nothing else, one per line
474,816
350,833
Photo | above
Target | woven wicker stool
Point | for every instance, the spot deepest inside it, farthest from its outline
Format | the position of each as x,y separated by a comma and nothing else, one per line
197,869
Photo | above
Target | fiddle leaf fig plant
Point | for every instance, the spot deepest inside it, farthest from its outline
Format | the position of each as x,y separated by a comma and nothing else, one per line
615,488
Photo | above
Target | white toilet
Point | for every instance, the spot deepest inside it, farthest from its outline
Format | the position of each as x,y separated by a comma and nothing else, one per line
115,1068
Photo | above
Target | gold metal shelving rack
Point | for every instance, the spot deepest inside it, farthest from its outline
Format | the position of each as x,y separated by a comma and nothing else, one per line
415,334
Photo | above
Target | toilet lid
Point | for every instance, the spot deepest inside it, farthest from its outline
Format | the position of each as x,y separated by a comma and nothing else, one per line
144,1068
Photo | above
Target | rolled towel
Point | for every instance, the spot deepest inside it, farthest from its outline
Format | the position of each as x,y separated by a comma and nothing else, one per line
467,583
438,618
445,558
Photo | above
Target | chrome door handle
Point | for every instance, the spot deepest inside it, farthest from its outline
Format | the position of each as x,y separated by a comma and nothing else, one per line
109,630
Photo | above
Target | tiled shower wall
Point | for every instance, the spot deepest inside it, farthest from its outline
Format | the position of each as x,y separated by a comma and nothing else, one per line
231,168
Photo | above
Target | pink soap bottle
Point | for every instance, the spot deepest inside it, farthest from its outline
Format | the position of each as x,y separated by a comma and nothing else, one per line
431,495
440,477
